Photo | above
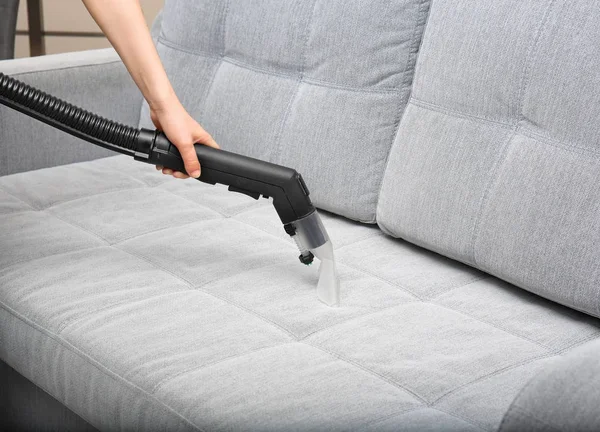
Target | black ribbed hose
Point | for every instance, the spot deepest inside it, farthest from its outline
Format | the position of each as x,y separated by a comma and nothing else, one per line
67,117
242,174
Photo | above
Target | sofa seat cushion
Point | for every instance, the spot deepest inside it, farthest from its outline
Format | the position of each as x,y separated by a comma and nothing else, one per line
148,303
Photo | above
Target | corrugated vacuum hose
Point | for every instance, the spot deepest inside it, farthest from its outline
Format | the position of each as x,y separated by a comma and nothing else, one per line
242,174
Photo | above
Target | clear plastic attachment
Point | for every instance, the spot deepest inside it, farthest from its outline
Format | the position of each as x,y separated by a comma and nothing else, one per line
312,236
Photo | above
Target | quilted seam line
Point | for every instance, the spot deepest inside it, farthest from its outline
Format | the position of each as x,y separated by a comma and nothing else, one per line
31,206
393,284
221,56
531,58
563,145
223,299
403,288
248,66
88,313
499,163
496,326
278,150
493,374
493,180
362,239
461,115
396,414
357,365
108,243
165,380
6,269
578,343
405,91
162,229
74,225
437,296
92,362
356,317
464,418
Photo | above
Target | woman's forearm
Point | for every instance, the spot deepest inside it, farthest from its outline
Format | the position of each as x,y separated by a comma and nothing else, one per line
123,23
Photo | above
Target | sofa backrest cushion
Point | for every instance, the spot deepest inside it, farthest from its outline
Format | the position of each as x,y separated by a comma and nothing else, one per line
497,159
315,85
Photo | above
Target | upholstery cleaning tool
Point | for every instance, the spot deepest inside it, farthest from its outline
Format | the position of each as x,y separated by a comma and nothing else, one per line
242,174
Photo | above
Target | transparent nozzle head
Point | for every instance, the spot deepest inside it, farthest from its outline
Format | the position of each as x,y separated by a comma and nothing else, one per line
311,236
328,287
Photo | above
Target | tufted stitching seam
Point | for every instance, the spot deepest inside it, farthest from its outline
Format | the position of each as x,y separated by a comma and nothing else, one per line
269,72
163,381
223,299
493,374
493,179
405,88
278,150
496,326
91,361
563,145
69,200
162,229
525,362
75,225
3,189
396,414
369,371
220,58
454,113
462,417
495,174
29,261
356,317
402,287
531,58
437,296
578,343
88,313
367,272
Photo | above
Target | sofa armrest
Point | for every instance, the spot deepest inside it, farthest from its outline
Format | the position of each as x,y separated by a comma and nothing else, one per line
95,80
564,396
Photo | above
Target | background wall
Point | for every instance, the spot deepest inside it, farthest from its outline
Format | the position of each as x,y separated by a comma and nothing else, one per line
70,16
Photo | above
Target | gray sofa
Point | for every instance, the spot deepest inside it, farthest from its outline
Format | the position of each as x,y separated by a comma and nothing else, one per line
453,149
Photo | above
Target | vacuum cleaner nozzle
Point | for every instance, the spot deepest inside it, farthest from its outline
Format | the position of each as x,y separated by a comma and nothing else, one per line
242,174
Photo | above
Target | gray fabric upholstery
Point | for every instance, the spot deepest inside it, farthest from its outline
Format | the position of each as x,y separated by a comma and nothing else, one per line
95,80
564,396
8,26
147,303
26,407
496,162
316,85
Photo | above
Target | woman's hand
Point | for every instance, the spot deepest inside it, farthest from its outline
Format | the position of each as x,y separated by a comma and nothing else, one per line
183,131
125,26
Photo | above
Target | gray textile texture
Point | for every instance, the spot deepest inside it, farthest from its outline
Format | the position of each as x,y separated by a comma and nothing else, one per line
95,80
497,159
316,85
565,396
8,25
26,407
142,302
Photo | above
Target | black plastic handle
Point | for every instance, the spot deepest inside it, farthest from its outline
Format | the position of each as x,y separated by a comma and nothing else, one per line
243,174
